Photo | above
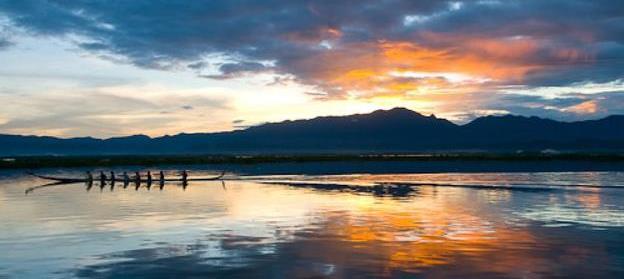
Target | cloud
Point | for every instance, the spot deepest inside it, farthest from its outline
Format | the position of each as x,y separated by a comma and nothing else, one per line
4,43
587,107
197,65
240,124
233,70
353,49
567,107
103,114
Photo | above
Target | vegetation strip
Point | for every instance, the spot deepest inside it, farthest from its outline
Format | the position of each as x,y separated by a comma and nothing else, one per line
152,160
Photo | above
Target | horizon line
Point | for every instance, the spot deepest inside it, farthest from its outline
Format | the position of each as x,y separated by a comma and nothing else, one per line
308,119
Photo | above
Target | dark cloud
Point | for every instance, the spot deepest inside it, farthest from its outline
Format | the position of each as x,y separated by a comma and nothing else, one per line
232,70
240,124
326,44
197,65
570,47
149,33
93,46
4,43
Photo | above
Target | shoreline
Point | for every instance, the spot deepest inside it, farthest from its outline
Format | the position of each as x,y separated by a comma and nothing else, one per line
35,162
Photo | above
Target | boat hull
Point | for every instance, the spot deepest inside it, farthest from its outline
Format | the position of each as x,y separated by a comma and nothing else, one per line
121,180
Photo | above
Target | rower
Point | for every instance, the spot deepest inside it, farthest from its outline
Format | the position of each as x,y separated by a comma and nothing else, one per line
126,179
184,175
89,180
102,178
161,180
162,177
184,179
149,178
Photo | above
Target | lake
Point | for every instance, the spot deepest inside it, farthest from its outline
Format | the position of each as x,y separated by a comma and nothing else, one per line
479,225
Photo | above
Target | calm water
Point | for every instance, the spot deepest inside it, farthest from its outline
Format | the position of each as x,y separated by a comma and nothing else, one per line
537,225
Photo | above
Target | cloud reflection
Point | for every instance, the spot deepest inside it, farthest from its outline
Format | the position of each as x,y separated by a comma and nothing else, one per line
262,230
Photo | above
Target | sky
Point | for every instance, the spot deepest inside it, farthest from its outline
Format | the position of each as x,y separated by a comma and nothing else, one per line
116,68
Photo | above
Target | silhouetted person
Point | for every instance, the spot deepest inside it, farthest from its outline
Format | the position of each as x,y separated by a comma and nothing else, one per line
149,179
184,179
126,179
89,177
112,179
102,178
137,178
161,179
184,176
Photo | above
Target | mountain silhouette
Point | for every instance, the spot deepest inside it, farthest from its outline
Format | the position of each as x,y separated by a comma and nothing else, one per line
395,130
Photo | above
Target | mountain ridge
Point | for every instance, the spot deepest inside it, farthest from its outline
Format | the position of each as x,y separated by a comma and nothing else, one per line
394,130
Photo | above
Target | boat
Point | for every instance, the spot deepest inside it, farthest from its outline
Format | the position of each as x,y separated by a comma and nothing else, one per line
121,179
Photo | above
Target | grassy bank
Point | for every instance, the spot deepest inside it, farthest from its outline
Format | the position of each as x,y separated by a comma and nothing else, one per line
152,160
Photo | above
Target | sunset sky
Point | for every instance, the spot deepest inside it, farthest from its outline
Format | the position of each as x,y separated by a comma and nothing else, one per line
113,68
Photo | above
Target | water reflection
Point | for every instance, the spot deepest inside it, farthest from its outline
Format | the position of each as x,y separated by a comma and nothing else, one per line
251,229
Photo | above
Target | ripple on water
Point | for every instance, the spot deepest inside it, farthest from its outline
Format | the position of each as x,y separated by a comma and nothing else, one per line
249,229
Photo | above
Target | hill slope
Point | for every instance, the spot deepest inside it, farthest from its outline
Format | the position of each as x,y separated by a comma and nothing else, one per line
395,130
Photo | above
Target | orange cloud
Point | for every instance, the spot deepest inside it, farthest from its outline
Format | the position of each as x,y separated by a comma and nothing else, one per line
496,59
436,72
367,70
587,107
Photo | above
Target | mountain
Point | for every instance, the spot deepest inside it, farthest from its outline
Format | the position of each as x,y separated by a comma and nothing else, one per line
395,130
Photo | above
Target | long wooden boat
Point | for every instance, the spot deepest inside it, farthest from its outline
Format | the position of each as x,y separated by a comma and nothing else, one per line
155,179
